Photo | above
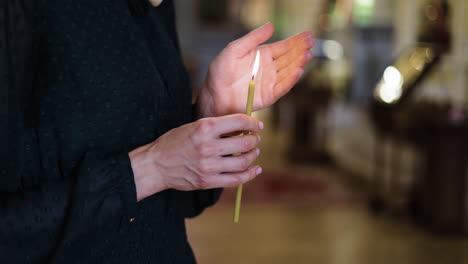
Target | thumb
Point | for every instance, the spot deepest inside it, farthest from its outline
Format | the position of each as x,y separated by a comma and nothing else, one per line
254,38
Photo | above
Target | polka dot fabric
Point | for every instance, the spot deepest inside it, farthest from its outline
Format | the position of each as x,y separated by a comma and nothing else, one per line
85,82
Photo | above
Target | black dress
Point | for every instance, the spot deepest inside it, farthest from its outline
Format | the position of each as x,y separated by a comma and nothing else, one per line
83,82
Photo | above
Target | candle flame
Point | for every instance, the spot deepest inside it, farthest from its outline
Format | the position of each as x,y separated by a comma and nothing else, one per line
256,64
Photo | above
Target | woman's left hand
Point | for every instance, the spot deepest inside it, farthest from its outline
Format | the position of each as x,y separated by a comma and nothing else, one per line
281,65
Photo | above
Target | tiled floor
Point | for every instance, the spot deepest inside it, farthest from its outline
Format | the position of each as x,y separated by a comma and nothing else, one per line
307,214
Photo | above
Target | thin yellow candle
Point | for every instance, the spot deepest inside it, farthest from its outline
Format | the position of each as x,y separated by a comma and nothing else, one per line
248,111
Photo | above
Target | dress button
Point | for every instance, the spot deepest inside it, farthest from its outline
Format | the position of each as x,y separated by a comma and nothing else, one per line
132,219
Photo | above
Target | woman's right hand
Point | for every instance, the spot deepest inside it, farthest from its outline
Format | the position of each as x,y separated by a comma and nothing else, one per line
196,156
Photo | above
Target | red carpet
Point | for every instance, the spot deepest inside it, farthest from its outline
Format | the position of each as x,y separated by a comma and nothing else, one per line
292,185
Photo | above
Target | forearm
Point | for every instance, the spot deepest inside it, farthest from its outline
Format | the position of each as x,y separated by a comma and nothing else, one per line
148,180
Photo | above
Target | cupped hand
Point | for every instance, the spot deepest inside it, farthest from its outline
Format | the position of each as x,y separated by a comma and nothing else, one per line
224,91
198,156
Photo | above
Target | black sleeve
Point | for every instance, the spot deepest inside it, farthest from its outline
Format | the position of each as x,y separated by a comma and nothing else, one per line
200,200
100,196
37,219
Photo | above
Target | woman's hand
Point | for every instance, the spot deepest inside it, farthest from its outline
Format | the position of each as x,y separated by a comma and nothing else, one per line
196,156
282,63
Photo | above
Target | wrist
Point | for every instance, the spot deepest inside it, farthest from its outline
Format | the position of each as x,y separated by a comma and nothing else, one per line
148,180
204,106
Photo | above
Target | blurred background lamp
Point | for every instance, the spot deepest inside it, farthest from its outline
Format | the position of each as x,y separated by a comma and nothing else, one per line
328,49
390,88
332,49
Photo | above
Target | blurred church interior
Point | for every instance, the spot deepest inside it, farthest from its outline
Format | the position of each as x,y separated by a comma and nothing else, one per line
366,159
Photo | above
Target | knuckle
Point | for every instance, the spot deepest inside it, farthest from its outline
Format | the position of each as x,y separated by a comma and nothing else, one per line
204,168
240,179
247,143
244,143
205,150
205,126
193,138
237,180
242,120
244,162
231,45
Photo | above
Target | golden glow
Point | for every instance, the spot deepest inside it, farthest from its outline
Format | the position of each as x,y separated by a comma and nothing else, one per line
390,87
417,61
405,71
333,49
429,54
256,64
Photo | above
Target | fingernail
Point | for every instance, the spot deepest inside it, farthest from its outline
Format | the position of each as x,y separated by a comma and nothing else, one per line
259,138
300,71
258,151
260,125
308,55
310,41
258,170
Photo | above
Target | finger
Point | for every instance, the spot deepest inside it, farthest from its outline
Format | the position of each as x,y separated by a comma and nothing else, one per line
234,163
239,144
281,47
283,86
233,179
217,126
237,163
299,61
297,56
254,38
